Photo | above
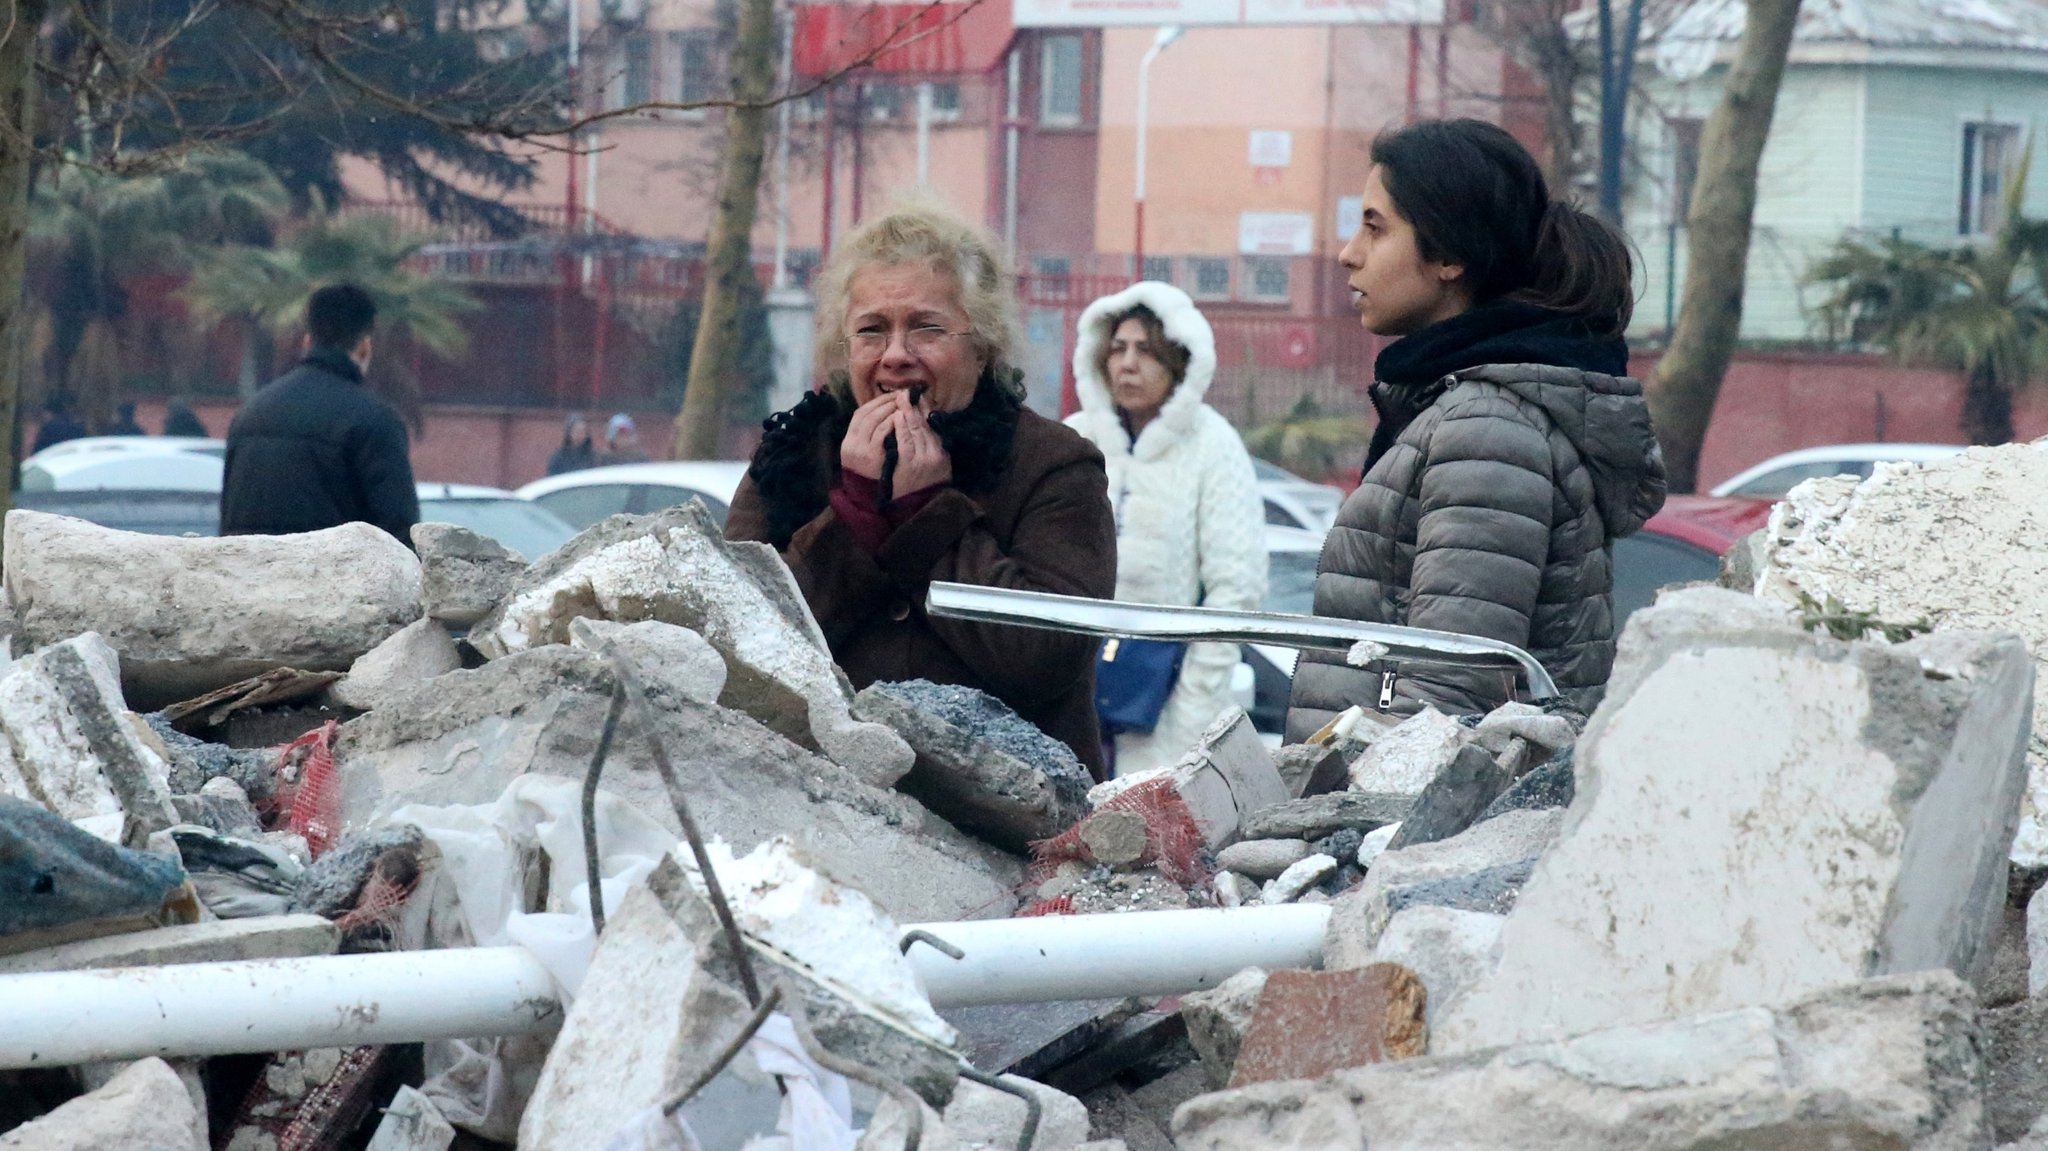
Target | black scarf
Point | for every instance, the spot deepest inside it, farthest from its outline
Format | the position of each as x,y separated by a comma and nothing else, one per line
1413,371
798,460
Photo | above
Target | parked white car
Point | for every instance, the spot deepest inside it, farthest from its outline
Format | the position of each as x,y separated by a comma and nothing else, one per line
585,497
1293,502
1778,475
126,463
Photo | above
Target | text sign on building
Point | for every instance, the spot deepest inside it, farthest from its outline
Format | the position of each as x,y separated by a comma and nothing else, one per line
1271,149
1275,233
1213,13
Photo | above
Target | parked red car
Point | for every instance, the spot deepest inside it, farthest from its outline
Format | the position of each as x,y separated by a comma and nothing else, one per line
1681,544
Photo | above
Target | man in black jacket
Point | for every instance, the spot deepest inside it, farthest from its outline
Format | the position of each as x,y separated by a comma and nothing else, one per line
314,449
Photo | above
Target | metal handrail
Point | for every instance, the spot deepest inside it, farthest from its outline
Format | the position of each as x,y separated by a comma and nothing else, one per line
1084,616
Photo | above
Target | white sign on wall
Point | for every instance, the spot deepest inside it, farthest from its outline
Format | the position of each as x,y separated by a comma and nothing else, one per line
1275,233
1271,149
1212,13
1349,211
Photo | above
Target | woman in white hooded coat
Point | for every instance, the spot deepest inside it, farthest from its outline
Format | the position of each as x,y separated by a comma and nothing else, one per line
1190,526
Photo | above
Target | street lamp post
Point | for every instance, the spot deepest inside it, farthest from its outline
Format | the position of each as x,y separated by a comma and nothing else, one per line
1167,35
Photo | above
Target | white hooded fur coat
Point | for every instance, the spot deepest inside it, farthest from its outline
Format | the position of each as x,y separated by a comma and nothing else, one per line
1190,525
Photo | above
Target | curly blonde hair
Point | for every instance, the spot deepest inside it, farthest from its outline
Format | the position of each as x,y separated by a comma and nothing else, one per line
922,231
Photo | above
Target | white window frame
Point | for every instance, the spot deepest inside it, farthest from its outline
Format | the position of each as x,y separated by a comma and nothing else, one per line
648,49
1195,265
1166,278
1969,171
676,71
1047,115
947,115
1248,283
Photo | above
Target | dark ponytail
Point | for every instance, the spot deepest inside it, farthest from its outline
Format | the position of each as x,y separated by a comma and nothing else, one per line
1476,198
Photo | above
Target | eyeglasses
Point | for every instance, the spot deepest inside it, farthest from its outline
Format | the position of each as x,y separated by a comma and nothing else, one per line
920,342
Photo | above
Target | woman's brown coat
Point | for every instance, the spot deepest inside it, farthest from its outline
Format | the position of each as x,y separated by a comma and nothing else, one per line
1044,524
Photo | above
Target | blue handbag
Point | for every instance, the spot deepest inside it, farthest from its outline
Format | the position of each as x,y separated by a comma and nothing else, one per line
1133,677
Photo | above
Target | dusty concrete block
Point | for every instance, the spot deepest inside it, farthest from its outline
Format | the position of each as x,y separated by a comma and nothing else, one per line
1550,784
1854,823
1321,815
218,941
464,574
1885,1063
143,1108
1309,1023
1115,839
1447,948
189,615
978,763
1454,799
1263,858
1524,721
1359,916
1234,890
2016,1075
672,661
2037,941
1375,842
1310,768
985,1117
414,654
412,1123
676,567
1299,877
71,741
1218,1018
1406,757
1954,543
1227,775
463,738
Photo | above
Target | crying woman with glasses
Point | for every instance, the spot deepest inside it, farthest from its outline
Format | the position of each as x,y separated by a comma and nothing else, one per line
917,462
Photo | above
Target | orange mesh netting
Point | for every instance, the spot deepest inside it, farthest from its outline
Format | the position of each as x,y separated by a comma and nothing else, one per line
309,788
1173,844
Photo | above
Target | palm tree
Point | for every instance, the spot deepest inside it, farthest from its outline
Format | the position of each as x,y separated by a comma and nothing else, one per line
270,286
1981,310
100,231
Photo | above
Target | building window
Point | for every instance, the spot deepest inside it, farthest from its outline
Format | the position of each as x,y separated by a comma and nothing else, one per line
1265,279
1991,158
636,77
1158,268
884,101
1054,272
1685,164
1211,275
1059,84
945,101
693,66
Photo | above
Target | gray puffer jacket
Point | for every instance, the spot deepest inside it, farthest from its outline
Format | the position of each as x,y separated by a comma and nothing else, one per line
1491,515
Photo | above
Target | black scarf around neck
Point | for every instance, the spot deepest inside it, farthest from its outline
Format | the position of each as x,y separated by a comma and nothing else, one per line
1414,370
798,460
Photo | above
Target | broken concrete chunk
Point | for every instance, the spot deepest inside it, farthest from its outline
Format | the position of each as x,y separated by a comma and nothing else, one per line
2037,941
676,567
411,1122
465,737
72,741
415,653
464,573
1406,757
145,1107
1234,890
1218,1018
1308,1024
1116,839
1454,799
1527,722
1310,768
672,661
1299,877
1954,544
1227,775
63,884
227,815
1854,822
333,885
1321,815
194,763
219,941
979,764
1484,860
1551,784
1884,1063
1447,948
192,614
985,1117
1374,842
1263,858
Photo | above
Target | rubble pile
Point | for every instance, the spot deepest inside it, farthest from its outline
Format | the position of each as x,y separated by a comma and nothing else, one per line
1778,891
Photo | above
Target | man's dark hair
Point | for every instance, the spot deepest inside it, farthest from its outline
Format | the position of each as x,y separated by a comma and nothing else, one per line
1478,199
339,315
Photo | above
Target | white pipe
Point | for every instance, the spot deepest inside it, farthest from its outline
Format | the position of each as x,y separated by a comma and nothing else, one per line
1059,957
58,1018
54,1019
1160,42
1013,109
924,134
782,153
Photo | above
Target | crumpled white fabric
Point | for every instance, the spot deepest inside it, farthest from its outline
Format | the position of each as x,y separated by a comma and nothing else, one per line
817,1112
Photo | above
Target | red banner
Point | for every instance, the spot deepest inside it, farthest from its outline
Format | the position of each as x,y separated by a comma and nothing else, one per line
902,39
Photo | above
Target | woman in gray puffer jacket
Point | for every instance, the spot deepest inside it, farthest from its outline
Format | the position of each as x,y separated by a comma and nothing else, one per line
1511,449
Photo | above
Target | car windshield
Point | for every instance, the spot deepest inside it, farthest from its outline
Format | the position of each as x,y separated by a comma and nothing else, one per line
523,526
1778,482
1291,582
